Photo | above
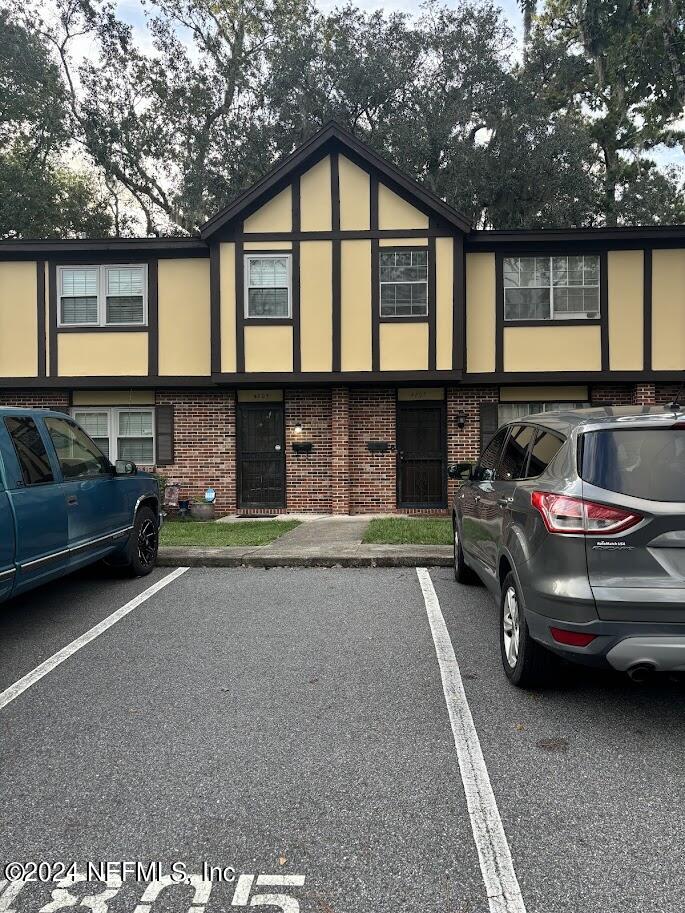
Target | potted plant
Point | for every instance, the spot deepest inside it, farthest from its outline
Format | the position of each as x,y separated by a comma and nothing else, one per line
201,509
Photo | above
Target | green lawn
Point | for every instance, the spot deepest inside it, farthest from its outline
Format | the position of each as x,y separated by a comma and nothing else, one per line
419,531
248,532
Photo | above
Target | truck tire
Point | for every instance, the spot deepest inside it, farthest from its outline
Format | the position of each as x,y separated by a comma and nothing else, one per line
141,552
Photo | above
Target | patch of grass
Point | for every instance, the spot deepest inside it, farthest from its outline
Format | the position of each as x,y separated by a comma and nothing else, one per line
211,533
415,531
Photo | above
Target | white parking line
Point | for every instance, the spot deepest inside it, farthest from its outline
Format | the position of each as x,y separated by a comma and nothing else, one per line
501,883
48,665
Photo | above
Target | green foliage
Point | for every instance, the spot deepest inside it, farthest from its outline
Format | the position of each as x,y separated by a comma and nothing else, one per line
212,534
565,136
419,531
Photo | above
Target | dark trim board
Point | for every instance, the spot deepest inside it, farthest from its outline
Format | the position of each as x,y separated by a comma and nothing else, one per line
375,308
118,248
139,328
52,316
153,317
351,234
603,308
336,279
499,311
647,310
215,305
239,307
458,304
591,322
614,237
40,316
432,306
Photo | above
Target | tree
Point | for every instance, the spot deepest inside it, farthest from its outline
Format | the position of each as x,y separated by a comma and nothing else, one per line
39,196
610,65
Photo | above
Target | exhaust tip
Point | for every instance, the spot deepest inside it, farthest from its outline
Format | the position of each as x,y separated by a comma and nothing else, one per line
641,672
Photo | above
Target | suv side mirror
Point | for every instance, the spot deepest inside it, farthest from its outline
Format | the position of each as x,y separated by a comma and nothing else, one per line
461,471
125,468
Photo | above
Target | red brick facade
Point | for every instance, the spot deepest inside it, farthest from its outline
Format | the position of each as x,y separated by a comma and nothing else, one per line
339,474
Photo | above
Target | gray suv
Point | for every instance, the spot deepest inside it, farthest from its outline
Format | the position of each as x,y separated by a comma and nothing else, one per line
576,522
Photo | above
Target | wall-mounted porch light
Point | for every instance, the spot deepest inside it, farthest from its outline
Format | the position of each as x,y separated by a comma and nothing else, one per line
298,429
461,419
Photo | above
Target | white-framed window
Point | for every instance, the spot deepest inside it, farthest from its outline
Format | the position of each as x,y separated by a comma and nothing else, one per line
403,277
508,412
551,288
268,286
121,432
102,296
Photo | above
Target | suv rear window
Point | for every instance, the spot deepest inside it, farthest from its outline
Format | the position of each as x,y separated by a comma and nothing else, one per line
643,463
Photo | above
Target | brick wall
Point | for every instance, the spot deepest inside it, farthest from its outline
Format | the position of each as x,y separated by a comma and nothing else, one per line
36,399
372,475
612,394
308,475
463,444
204,444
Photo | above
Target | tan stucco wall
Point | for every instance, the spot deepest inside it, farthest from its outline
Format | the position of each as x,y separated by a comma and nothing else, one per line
227,297
552,348
184,318
316,306
268,245
102,354
354,196
404,346
444,283
394,212
275,215
480,313
625,275
315,197
355,306
268,348
18,320
668,310
121,397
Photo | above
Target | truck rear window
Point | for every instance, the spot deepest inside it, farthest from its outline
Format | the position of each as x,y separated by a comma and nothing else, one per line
642,462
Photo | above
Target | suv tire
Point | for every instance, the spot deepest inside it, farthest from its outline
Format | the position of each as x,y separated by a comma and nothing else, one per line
526,663
462,572
141,552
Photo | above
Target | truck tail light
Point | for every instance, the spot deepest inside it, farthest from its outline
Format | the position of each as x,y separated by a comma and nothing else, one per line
564,514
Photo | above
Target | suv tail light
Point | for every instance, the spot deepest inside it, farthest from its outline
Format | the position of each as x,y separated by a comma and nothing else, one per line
564,514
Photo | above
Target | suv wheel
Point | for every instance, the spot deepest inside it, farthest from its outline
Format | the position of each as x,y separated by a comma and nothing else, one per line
526,663
143,544
462,572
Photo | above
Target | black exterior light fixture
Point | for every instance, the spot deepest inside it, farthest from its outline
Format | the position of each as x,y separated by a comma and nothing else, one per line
298,429
461,419
301,446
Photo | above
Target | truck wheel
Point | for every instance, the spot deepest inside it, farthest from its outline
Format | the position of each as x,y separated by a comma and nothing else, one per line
143,544
526,663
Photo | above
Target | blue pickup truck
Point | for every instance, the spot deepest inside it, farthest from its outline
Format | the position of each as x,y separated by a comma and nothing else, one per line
64,505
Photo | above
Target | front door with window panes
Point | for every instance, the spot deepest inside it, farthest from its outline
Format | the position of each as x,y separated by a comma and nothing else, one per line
261,456
421,455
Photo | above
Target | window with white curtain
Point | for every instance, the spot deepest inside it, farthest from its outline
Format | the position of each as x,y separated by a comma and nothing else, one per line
268,285
121,433
102,296
551,288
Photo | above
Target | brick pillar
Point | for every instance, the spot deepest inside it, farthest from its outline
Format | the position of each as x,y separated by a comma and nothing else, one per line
340,451
644,394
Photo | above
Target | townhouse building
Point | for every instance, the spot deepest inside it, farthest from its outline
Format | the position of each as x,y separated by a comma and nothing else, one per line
335,337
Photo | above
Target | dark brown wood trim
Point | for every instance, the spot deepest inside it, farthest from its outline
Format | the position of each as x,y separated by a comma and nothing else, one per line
215,305
571,377
432,307
360,234
458,304
271,321
296,318
499,311
296,219
152,317
138,328
118,247
40,316
489,238
604,308
580,321
375,307
336,266
239,306
647,310
52,316
423,318
335,192
373,231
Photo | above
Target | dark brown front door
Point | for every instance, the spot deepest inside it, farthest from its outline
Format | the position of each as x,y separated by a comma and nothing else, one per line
421,455
261,455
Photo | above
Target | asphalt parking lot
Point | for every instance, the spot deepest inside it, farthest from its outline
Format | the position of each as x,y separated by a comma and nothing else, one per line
293,725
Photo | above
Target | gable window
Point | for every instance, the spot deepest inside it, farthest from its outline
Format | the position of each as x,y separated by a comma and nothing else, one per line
404,282
268,285
121,433
102,296
551,288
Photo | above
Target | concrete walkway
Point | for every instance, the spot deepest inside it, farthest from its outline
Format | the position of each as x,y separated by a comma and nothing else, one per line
324,541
